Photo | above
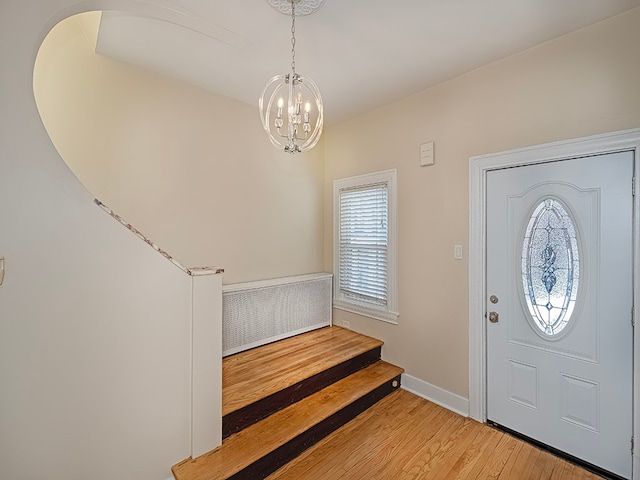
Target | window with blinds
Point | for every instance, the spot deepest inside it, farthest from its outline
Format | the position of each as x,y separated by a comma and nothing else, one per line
364,242
364,264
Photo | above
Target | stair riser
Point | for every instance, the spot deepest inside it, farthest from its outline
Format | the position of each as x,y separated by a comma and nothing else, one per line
244,417
287,452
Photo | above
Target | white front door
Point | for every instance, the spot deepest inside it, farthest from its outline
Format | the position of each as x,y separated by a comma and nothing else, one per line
559,306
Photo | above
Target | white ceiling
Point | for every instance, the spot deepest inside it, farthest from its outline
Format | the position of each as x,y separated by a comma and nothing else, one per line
361,53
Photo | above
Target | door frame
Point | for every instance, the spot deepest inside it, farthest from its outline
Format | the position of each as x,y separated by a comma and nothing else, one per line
479,166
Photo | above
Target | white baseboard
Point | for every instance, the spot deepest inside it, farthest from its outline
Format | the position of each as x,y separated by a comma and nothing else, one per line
437,395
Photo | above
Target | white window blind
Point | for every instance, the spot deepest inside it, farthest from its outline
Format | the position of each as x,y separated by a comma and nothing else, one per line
364,262
364,242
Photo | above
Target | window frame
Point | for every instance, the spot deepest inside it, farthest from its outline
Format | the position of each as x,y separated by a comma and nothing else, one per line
389,312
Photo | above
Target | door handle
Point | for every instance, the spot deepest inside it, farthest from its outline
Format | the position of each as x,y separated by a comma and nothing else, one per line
493,317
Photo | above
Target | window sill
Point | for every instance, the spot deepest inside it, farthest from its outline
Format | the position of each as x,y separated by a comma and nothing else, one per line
382,315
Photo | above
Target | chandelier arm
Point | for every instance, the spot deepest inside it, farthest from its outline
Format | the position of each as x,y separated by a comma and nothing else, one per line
275,93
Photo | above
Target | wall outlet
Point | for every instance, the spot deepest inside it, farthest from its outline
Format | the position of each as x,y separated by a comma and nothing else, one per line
346,324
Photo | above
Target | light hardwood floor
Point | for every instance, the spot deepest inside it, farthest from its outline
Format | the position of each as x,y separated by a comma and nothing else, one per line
404,437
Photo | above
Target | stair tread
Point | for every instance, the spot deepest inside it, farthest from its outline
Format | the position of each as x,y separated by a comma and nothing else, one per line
258,440
255,374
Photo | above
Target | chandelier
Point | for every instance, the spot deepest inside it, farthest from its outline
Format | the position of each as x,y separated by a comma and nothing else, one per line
291,105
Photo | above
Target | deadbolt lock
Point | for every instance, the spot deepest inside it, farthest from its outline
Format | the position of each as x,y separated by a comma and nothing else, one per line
493,299
493,317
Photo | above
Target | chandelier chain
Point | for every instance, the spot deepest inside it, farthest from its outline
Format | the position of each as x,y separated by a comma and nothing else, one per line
293,36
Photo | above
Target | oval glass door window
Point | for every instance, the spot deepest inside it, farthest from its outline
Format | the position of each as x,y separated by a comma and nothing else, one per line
550,267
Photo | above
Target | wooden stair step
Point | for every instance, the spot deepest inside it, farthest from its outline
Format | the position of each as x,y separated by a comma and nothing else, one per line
262,448
261,381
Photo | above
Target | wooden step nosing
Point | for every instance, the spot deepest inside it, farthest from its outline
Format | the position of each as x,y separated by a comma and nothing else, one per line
283,454
239,419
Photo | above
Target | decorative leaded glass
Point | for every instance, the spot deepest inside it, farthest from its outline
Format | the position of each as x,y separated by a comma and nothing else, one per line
550,266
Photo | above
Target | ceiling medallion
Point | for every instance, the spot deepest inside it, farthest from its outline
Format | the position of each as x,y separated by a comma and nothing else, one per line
303,7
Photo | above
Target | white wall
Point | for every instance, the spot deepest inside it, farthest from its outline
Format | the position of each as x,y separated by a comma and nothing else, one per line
581,84
192,170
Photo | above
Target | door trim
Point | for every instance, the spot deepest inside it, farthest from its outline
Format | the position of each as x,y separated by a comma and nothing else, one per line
628,140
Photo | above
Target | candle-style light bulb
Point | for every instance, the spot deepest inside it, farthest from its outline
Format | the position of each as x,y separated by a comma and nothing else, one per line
307,108
278,121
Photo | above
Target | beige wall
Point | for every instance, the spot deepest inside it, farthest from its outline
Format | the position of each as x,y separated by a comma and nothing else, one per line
192,170
581,84
195,172
95,333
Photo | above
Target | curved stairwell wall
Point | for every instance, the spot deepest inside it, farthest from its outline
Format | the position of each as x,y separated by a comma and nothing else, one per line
95,326
191,169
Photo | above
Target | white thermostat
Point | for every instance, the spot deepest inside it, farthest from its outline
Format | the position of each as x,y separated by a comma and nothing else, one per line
426,154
